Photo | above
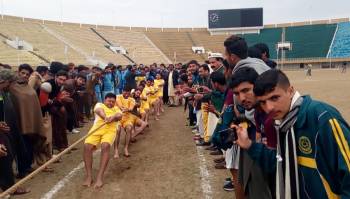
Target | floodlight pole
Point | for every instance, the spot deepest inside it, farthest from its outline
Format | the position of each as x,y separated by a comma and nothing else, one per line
61,10
2,9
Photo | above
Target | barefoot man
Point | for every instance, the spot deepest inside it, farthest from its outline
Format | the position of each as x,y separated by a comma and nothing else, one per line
108,113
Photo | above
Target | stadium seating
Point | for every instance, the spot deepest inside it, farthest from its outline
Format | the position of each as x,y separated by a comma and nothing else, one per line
341,43
139,47
172,43
13,57
72,42
269,36
43,43
310,41
89,43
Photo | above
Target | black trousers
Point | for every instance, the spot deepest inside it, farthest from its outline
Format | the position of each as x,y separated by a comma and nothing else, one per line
191,114
6,172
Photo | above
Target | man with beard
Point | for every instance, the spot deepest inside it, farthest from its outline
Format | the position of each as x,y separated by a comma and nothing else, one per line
216,62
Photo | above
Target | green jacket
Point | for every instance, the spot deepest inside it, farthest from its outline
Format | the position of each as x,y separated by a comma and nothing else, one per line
322,143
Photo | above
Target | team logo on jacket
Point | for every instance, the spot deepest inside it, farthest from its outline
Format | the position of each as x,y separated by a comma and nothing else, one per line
305,145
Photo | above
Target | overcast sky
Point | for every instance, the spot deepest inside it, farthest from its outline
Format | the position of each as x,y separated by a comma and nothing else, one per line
166,13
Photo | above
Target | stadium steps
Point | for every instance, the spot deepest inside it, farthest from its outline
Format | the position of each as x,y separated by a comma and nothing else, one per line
175,45
43,43
88,43
139,47
108,42
341,45
40,57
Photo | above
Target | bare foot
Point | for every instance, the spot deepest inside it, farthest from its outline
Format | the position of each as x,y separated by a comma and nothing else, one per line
87,182
157,118
98,184
126,153
116,155
162,110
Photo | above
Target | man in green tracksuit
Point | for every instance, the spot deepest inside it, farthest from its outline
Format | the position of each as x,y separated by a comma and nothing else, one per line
313,155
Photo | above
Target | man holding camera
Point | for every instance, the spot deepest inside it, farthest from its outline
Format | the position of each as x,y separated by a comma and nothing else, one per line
255,183
312,159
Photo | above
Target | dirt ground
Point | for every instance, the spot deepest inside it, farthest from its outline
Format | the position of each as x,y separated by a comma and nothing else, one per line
164,162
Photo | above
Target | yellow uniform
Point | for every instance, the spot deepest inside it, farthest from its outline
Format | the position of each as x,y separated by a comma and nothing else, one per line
153,94
108,132
139,79
159,83
144,103
128,118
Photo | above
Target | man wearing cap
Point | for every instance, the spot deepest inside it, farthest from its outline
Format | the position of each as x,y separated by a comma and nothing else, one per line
215,61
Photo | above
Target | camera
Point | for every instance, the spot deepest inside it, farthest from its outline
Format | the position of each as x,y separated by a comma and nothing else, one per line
200,90
229,135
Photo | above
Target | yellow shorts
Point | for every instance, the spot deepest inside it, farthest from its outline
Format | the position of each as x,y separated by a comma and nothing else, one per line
102,136
128,120
152,100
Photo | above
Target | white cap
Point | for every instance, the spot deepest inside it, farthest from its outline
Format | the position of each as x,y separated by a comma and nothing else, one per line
215,55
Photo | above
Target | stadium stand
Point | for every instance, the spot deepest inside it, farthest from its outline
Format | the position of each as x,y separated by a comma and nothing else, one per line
43,43
341,43
78,43
13,57
88,42
310,40
172,43
270,36
140,48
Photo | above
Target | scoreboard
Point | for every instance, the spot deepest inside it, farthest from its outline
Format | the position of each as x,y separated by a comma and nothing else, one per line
235,18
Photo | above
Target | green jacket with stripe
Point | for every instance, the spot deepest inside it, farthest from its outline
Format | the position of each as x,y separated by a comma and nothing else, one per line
322,144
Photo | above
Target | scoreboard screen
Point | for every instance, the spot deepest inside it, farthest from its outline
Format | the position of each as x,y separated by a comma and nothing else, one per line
235,18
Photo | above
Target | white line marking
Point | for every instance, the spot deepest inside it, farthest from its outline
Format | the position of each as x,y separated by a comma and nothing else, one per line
60,184
205,182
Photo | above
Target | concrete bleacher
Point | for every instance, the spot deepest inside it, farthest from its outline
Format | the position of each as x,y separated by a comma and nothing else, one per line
212,43
172,43
341,44
87,41
13,57
140,48
43,43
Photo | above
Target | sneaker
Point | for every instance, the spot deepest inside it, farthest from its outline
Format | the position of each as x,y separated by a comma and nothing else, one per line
195,131
227,180
75,131
218,152
203,143
229,187
221,165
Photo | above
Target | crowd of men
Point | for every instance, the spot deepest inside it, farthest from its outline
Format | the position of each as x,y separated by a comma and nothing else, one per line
274,142
40,108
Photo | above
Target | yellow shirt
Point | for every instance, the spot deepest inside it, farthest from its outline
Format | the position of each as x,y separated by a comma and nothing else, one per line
139,79
109,112
159,83
153,92
125,103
